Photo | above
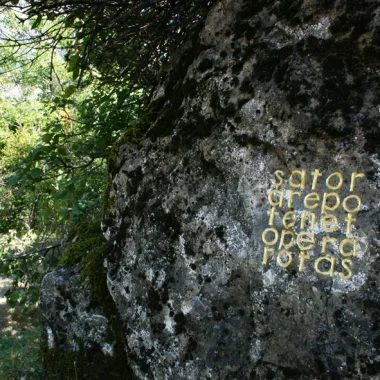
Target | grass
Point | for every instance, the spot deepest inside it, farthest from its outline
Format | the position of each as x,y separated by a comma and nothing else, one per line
19,340
19,355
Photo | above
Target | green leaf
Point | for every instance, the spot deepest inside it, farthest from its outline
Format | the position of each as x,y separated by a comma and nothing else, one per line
75,146
46,138
12,298
73,62
62,150
69,91
35,153
37,22
58,128
13,180
36,173
63,214
61,194
75,73
69,21
56,140
33,294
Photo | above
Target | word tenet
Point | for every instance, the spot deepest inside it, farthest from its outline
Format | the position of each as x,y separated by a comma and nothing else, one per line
318,209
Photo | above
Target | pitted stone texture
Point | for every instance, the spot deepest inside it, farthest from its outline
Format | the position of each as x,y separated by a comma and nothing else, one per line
273,86
70,322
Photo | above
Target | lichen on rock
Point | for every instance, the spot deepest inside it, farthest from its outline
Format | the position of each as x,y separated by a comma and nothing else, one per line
265,99
81,332
264,87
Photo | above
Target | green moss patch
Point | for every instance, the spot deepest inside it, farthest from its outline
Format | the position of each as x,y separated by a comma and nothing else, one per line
77,365
88,248
82,240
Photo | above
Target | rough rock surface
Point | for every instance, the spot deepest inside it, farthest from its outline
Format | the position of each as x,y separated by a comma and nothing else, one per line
266,86
266,89
70,322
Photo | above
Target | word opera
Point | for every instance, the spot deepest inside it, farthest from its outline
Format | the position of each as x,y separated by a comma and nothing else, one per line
278,244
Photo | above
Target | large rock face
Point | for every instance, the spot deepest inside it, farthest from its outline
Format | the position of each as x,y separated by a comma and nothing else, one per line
245,227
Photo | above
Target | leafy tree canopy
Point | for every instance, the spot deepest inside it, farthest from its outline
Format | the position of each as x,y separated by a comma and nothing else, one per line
120,39
74,77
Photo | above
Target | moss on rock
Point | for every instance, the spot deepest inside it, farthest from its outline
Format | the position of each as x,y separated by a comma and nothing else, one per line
88,248
71,365
83,238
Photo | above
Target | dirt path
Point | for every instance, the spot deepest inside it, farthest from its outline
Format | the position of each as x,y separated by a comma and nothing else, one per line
4,309
19,340
14,319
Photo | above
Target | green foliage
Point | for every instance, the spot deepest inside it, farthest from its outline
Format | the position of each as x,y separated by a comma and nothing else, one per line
26,273
20,355
121,40
82,240
53,153
88,248
74,78
55,136
93,269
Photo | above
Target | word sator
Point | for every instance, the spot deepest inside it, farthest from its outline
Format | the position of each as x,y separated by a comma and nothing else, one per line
318,207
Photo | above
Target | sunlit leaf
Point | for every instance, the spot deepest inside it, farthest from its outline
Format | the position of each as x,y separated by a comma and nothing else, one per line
46,138
37,22
73,62
69,91
76,73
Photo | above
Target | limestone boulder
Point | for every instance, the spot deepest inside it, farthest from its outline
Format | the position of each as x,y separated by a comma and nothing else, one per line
245,226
